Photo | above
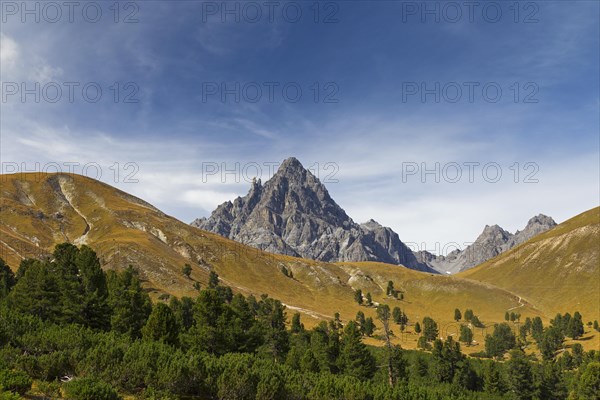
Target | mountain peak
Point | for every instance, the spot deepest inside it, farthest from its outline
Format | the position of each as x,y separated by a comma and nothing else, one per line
541,219
291,164
371,224
293,214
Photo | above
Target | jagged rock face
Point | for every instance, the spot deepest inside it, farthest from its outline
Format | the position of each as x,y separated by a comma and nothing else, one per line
536,225
491,242
292,213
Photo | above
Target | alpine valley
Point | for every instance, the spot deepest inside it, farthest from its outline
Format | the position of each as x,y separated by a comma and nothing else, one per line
289,239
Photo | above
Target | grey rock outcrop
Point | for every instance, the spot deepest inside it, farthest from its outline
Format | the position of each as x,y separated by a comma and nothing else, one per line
491,242
293,214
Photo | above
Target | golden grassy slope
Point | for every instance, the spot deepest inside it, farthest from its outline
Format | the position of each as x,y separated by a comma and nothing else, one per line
126,230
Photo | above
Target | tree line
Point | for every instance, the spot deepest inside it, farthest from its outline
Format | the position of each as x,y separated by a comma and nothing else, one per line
65,319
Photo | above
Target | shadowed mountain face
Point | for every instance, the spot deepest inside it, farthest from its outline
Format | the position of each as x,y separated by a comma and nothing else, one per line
491,242
293,214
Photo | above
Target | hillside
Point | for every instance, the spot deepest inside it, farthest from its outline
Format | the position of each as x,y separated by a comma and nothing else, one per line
40,210
558,270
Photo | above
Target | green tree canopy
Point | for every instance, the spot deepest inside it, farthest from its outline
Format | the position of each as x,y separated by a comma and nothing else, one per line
161,325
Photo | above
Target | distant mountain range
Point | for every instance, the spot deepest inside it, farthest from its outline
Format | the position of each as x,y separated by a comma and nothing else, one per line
491,242
293,214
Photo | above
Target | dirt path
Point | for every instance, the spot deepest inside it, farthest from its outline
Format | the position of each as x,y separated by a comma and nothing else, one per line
521,304
313,314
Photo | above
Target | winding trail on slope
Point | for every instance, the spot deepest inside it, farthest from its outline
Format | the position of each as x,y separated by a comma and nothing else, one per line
521,304
68,194
312,313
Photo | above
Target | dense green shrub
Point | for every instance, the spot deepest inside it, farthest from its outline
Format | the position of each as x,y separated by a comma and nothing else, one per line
50,390
14,381
90,389
9,396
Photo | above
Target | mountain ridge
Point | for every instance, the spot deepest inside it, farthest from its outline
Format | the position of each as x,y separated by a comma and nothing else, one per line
293,214
491,242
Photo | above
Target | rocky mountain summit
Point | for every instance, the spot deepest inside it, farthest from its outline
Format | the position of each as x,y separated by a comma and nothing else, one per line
491,242
293,214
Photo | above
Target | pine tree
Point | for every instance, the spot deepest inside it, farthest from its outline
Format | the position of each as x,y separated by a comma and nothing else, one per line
537,329
65,268
417,328
466,335
506,316
589,382
493,381
468,314
397,315
466,377
308,362
7,279
420,367
549,381
558,322
383,314
325,346
566,361
355,358
369,300
187,270
23,265
398,364
183,309
596,327
577,353
130,304
430,329
37,293
523,334
358,297
297,326
551,341
446,357
390,289
213,280
369,327
519,376
457,315
500,341
161,325
575,328
95,309
403,321
360,320
272,316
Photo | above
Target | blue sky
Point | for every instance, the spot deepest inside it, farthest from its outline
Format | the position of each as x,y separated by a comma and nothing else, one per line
365,61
